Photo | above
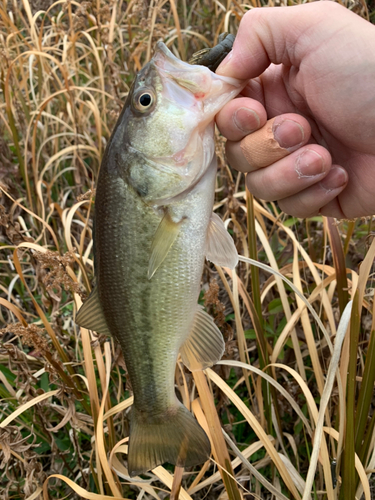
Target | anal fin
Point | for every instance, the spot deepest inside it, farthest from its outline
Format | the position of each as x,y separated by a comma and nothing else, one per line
221,249
91,316
205,345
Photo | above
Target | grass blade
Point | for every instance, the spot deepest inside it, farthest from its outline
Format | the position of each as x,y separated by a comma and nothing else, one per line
339,261
348,487
257,429
365,397
219,447
343,326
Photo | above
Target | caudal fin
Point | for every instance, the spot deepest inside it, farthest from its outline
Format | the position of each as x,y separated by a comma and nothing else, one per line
174,436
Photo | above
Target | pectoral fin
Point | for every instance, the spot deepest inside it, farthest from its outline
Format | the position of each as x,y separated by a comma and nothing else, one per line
221,249
205,345
91,316
164,238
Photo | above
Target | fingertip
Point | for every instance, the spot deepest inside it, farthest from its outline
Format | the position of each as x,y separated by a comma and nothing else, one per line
279,137
224,68
311,161
320,198
291,132
337,178
246,120
241,117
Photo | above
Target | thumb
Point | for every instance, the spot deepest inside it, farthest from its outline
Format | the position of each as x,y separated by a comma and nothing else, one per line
284,35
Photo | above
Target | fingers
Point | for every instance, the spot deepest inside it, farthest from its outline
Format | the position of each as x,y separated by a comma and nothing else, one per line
281,164
279,137
304,183
321,198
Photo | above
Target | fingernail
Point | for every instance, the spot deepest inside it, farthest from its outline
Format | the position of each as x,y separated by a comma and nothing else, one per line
309,163
224,62
289,134
246,120
336,178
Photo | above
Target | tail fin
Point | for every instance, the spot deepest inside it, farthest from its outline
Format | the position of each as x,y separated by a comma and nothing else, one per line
174,436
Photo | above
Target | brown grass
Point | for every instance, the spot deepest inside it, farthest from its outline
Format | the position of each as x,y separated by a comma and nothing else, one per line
280,405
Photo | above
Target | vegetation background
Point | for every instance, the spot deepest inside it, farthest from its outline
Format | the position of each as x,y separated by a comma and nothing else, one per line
285,380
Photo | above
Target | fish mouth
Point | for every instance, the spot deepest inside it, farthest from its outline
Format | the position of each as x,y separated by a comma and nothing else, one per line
194,86
195,79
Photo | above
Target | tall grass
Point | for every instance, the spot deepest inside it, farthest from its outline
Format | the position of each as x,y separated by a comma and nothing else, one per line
288,409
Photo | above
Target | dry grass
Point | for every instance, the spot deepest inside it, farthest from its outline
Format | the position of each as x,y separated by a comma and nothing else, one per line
288,397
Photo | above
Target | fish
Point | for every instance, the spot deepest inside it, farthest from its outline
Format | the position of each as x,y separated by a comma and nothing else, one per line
153,227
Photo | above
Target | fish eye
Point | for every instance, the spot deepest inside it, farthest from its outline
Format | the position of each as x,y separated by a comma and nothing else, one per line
144,101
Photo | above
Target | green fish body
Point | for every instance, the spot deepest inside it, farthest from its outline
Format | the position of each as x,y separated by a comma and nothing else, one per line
153,228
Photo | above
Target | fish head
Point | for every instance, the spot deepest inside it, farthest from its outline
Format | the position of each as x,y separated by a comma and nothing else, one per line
167,127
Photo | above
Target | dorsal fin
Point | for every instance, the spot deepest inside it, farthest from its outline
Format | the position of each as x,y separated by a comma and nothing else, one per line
221,249
164,238
205,345
91,316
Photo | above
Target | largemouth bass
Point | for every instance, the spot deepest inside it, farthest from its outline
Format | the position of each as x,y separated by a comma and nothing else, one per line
153,228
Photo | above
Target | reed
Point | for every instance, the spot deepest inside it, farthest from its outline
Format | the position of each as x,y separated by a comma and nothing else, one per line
285,385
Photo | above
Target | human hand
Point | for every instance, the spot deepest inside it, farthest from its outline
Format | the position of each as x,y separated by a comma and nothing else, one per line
317,81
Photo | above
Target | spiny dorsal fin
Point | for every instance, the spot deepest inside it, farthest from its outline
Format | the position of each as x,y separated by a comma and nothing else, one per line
205,345
221,249
164,238
91,316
